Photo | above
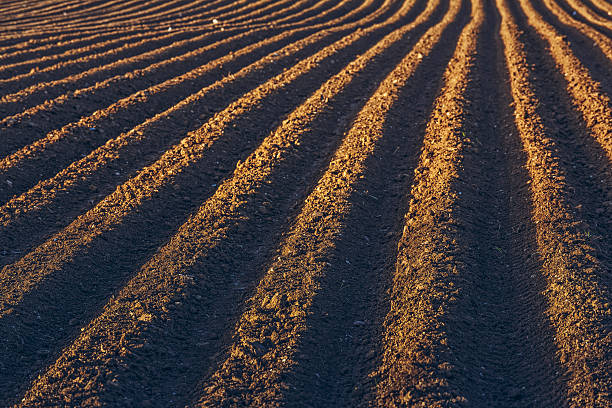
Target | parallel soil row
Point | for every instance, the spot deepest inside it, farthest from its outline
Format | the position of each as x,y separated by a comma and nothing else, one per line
305,203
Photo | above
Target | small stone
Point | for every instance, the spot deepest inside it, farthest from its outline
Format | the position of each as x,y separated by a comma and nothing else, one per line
145,317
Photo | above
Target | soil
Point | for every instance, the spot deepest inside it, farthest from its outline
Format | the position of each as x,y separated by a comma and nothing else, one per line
305,203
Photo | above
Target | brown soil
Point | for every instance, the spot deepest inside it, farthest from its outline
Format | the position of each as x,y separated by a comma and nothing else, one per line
305,203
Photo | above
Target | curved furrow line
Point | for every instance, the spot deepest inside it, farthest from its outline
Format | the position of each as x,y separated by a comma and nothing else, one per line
73,55
589,16
120,114
346,311
101,6
39,92
312,15
266,17
90,40
463,327
256,10
111,150
176,167
31,51
25,39
256,172
586,94
59,74
277,9
11,5
259,14
56,78
33,23
66,10
601,7
418,365
39,37
234,8
137,6
124,14
20,8
268,333
67,6
578,301
578,29
49,105
275,12
88,44
61,42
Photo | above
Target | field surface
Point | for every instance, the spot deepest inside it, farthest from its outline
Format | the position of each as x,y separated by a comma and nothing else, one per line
306,203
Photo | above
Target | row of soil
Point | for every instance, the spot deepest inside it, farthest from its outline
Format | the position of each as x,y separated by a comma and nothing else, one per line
181,190
149,15
574,262
365,203
48,155
86,181
57,77
153,64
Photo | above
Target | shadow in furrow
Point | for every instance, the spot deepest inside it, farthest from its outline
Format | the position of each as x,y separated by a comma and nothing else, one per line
589,54
584,162
76,294
341,346
499,332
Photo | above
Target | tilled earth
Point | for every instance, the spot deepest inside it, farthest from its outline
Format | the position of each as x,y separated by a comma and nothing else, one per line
306,203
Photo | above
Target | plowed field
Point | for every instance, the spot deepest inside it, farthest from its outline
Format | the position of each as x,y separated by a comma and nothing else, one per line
306,203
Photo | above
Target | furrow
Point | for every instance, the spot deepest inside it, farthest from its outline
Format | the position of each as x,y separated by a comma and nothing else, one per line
17,87
465,327
133,12
341,345
82,46
591,46
190,149
70,7
604,7
46,191
236,9
418,365
578,303
73,54
13,103
168,173
177,25
59,74
21,9
233,204
105,124
587,96
60,14
268,333
589,16
25,127
50,43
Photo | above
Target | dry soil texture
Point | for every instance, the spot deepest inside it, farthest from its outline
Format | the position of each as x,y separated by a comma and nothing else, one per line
304,203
